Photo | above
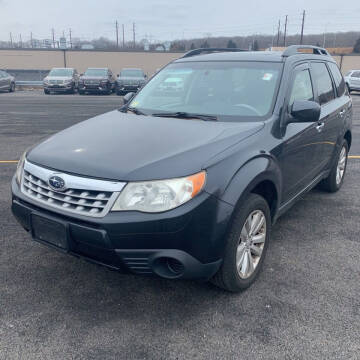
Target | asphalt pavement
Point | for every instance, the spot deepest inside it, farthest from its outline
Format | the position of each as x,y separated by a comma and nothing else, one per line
304,305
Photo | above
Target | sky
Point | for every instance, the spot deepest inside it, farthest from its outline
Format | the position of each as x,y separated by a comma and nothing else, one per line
160,20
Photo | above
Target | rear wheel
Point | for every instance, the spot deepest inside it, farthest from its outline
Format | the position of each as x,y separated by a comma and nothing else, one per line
47,92
246,245
336,177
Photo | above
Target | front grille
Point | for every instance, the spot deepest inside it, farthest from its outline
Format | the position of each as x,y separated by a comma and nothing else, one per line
92,82
56,82
138,265
84,200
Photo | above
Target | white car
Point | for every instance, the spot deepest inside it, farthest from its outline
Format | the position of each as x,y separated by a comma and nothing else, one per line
352,79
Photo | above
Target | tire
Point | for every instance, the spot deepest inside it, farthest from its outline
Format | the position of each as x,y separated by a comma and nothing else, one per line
81,92
333,183
229,277
119,92
47,92
12,87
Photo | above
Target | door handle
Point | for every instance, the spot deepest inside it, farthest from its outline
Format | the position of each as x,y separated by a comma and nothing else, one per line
342,112
320,127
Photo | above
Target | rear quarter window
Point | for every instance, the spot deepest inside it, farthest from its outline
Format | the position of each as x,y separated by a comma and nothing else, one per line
338,78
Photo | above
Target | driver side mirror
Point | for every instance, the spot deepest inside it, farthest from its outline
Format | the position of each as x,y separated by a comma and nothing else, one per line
128,97
303,111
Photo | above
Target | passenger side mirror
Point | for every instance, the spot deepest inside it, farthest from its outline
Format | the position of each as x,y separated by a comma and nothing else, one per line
304,111
128,97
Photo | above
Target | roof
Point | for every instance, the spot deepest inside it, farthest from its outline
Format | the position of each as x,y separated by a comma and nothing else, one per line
131,69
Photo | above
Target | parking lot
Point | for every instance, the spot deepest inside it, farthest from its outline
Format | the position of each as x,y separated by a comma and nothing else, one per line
304,305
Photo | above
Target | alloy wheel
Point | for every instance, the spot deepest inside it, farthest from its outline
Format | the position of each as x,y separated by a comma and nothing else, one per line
251,244
340,170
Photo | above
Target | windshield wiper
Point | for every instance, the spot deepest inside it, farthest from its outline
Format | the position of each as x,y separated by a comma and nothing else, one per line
186,115
132,109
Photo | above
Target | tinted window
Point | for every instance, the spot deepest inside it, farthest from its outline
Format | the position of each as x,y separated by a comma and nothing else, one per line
323,81
96,72
302,88
61,72
132,73
356,74
339,80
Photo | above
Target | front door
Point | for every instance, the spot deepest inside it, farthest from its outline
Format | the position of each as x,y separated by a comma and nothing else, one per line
301,156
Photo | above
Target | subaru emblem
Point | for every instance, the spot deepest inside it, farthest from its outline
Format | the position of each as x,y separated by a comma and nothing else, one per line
56,183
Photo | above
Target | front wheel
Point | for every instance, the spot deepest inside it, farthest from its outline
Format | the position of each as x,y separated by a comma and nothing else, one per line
246,245
12,87
335,179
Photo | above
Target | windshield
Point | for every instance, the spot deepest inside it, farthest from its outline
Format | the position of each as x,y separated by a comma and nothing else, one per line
132,73
96,72
232,91
61,72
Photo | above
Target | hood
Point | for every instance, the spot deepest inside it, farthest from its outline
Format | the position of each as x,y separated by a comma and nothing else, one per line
84,77
58,78
133,78
128,147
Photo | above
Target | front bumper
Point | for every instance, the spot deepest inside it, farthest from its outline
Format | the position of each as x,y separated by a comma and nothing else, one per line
94,88
58,88
128,88
186,242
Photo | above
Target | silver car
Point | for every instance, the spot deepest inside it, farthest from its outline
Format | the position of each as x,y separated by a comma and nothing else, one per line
63,80
352,79
7,82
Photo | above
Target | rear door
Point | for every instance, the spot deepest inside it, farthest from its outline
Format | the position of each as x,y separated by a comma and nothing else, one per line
331,110
301,154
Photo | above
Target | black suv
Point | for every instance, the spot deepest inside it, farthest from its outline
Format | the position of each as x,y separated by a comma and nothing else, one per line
130,80
97,80
188,183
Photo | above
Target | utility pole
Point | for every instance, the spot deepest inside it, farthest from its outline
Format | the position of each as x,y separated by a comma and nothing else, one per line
134,34
70,37
20,38
302,28
53,37
278,34
31,40
286,20
123,30
11,40
117,34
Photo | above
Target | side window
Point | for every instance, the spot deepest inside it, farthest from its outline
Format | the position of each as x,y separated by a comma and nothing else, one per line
302,87
323,82
339,80
356,74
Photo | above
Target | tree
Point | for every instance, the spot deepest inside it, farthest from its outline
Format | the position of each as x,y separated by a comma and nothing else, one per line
231,44
192,47
205,45
256,45
357,46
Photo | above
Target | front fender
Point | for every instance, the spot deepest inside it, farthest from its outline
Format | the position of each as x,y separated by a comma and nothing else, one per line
249,176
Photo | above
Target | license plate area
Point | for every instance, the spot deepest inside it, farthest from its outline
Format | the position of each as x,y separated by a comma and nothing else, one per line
49,231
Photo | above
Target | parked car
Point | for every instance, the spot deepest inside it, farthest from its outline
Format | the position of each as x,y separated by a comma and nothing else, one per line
61,80
97,80
130,80
189,184
352,79
7,82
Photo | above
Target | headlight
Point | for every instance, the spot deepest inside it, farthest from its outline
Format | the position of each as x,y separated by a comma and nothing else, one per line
45,81
20,167
160,195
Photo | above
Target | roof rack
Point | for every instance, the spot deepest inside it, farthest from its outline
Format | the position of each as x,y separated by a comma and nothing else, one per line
209,50
293,50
